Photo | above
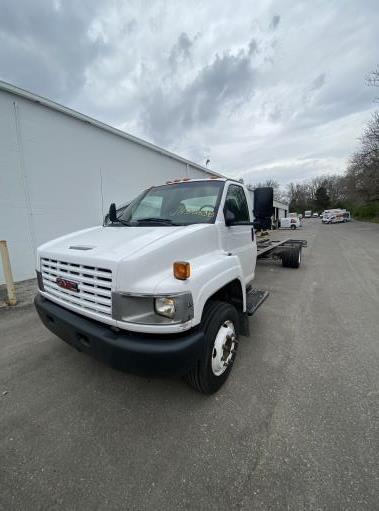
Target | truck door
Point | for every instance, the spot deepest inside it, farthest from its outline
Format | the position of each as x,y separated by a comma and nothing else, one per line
240,236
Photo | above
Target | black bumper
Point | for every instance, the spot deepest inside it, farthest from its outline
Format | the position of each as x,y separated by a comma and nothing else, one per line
129,351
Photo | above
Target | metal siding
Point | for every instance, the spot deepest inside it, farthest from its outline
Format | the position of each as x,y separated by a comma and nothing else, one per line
62,158
13,209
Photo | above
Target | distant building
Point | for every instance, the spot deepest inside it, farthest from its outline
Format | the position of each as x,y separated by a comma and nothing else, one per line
280,210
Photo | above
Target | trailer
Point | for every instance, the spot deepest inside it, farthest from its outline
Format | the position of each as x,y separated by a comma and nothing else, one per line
335,216
347,216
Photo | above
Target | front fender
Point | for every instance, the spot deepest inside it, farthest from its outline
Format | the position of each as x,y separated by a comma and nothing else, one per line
212,278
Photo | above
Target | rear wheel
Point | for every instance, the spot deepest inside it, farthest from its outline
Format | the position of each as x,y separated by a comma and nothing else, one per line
293,227
220,326
291,258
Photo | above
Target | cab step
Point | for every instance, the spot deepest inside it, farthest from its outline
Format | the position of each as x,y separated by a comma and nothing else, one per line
254,299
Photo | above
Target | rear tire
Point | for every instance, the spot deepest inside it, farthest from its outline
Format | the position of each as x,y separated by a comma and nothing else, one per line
292,258
220,327
293,227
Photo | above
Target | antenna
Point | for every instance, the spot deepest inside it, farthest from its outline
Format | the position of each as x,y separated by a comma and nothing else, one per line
101,195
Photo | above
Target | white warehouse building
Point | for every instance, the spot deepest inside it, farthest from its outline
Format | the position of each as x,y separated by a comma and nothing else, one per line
60,170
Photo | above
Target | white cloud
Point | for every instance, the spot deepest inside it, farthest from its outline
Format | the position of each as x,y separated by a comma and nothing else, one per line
269,89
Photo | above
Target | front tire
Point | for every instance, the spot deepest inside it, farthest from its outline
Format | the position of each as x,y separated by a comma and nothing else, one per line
220,327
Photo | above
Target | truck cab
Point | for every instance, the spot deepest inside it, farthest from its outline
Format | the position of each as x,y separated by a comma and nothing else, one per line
162,286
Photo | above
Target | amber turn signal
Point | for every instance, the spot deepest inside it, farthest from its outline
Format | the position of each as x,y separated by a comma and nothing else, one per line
182,270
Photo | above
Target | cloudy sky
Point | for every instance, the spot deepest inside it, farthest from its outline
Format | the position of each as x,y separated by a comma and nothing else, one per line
263,89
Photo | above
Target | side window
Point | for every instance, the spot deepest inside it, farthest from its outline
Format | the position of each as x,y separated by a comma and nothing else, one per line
236,202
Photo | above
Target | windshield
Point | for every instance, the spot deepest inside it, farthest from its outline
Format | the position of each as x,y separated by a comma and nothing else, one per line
182,203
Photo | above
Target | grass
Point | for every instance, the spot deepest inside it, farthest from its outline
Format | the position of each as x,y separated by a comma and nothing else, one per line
368,212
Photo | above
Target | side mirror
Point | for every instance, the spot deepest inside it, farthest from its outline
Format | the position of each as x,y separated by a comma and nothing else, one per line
230,217
112,212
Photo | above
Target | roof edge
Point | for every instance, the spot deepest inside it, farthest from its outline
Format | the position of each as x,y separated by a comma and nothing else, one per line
13,89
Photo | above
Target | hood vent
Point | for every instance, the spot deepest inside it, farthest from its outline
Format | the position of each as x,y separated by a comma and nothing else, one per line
80,247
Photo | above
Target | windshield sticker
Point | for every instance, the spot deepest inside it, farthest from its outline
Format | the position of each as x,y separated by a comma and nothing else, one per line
182,210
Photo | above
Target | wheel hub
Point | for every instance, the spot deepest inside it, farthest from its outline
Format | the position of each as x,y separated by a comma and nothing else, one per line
224,348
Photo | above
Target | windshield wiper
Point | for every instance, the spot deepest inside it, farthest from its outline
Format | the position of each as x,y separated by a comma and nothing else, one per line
156,220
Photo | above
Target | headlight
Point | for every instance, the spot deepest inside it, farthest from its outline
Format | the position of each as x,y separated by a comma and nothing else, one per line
165,306
152,310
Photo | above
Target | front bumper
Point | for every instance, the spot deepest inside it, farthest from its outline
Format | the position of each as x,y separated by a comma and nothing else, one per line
129,351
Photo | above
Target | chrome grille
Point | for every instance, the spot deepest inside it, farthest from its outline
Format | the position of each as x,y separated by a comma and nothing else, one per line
94,284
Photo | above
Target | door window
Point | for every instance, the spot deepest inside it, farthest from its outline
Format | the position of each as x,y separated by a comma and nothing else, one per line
236,202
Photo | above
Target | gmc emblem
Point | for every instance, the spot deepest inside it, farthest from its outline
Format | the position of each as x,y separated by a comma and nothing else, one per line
67,284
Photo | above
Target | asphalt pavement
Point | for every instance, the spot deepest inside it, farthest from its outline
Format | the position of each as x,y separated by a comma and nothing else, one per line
295,426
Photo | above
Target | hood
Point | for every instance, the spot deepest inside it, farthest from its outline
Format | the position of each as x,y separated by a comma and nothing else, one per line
112,243
140,257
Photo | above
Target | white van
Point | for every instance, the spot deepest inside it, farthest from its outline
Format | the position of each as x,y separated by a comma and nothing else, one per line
290,222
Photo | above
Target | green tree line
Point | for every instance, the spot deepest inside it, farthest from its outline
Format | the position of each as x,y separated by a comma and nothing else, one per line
357,189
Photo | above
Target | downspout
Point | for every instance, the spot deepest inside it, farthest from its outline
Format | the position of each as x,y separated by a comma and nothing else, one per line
24,178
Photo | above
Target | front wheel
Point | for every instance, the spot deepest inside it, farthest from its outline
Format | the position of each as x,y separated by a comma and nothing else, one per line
220,327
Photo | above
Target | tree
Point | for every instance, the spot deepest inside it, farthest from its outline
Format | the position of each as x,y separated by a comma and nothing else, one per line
373,79
357,189
298,195
279,194
322,198
362,175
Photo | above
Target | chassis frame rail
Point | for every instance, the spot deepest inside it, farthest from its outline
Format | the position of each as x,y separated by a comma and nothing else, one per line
275,248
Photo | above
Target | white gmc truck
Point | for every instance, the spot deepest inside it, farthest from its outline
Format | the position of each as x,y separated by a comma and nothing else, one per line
163,286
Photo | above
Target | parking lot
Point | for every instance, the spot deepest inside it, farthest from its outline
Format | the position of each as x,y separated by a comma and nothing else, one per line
295,426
